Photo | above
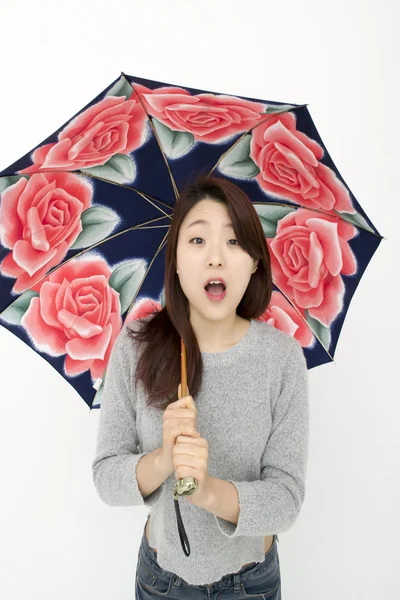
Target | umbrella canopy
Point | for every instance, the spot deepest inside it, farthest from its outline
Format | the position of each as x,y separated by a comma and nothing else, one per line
84,218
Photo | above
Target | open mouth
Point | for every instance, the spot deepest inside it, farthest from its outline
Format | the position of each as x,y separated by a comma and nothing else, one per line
215,288
215,291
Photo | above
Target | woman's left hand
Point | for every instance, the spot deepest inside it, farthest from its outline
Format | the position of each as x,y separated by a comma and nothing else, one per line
190,459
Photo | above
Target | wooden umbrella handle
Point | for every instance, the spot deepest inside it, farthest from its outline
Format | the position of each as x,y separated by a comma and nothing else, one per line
183,371
187,485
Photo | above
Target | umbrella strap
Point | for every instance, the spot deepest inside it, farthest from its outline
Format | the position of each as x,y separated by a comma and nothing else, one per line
181,528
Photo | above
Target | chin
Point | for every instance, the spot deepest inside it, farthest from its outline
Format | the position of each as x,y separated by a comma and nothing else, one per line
214,312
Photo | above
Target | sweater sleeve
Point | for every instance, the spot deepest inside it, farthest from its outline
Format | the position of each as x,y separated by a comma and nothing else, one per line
117,456
271,505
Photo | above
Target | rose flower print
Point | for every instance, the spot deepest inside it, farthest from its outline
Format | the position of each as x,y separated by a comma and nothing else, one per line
77,313
112,126
309,254
208,117
283,316
40,218
290,167
142,309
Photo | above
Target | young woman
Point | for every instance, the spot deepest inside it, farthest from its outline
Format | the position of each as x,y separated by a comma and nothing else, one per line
248,448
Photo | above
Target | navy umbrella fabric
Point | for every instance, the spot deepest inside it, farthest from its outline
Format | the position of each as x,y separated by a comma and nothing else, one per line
84,218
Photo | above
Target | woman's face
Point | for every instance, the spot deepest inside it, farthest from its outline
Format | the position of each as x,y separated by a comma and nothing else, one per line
211,250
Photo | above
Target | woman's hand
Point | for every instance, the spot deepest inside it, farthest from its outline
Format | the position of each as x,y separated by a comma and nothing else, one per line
190,459
179,418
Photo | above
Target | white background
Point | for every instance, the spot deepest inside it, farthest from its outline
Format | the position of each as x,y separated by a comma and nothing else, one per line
58,540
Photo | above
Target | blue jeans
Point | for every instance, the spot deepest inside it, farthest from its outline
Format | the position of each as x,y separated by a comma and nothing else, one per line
260,581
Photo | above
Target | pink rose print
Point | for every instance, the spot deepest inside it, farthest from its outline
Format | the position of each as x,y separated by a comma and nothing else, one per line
283,316
209,117
142,309
288,161
77,313
40,218
113,125
308,256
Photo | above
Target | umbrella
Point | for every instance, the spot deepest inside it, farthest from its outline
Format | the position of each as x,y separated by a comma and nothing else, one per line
84,218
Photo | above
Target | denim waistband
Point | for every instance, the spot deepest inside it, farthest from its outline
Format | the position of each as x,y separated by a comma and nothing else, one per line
241,575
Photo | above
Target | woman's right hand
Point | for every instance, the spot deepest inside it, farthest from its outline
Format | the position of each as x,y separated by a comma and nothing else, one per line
179,418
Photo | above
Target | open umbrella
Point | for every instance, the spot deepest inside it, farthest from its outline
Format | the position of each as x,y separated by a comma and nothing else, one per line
84,218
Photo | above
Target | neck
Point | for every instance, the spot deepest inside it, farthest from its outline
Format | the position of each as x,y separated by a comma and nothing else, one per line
216,336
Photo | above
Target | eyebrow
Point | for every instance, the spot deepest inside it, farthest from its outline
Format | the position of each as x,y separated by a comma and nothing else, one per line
203,222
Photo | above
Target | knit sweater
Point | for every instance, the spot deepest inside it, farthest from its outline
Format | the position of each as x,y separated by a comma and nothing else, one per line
253,411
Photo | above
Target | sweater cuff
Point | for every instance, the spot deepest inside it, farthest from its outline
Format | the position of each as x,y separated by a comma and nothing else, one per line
152,498
265,507
226,527
116,481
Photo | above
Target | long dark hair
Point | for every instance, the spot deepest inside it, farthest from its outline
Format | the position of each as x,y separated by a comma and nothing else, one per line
159,362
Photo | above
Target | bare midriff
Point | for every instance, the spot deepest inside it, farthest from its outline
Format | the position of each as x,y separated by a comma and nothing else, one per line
268,539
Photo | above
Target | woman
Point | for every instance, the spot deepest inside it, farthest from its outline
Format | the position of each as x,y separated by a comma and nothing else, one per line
249,381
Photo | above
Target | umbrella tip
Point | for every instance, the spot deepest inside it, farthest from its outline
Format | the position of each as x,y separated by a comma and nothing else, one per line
97,383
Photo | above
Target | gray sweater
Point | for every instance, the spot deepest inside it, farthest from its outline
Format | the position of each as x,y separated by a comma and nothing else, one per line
253,411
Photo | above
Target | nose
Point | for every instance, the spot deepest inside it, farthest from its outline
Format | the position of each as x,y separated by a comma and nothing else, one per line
214,264
215,257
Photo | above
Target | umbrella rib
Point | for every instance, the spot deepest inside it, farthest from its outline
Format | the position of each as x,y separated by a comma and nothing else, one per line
174,186
305,321
90,176
145,275
140,226
127,187
316,210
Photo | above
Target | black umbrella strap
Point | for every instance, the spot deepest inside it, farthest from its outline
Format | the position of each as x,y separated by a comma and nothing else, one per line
181,529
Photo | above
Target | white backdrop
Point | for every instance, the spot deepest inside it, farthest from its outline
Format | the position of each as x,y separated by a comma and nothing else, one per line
57,538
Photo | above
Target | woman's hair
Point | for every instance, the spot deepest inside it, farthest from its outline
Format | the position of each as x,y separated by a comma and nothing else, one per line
159,363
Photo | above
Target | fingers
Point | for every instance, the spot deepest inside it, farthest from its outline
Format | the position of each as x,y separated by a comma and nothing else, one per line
188,439
188,449
184,446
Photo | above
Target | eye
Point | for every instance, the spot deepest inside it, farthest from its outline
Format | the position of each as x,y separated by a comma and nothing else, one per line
199,238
